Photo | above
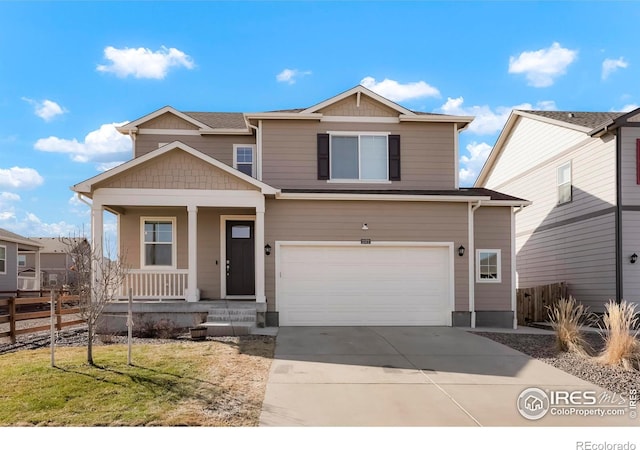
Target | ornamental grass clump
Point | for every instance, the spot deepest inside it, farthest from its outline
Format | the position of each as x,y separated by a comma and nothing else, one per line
620,335
566,317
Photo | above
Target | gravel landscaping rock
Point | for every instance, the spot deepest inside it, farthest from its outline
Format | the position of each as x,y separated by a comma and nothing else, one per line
543,348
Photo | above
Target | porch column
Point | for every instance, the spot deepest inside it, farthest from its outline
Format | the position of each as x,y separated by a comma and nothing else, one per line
259,234
192,276
97,233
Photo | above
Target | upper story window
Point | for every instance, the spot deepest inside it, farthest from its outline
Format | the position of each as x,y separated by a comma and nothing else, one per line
158,242
564,183
359,157
3,259
22,260
488,264
244,156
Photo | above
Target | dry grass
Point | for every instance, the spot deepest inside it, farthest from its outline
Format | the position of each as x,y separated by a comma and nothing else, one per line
620,332
566,317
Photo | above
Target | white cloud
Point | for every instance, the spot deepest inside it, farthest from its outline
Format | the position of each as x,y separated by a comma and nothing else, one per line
7,209
103,167
9,197
144,63
20,178
398,92
487,120
629,107
290,75
611,65
472,164
104,145
46,109
542,67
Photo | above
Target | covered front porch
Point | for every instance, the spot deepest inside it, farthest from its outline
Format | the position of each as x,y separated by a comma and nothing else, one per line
189,227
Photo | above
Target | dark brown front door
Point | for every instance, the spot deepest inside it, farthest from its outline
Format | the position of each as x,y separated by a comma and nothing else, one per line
240,258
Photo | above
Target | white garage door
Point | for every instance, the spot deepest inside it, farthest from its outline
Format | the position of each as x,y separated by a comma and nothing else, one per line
364,285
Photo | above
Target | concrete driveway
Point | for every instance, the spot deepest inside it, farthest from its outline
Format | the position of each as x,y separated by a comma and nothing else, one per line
407,376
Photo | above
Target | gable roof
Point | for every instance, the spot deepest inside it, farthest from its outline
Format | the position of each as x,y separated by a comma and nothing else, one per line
86,187
591,123
55,245
9,236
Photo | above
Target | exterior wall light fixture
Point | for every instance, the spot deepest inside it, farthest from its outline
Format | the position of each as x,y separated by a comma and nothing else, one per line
267,249
461,250
633,258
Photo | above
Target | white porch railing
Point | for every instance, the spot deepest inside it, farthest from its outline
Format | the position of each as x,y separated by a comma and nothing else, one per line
28,284
157,285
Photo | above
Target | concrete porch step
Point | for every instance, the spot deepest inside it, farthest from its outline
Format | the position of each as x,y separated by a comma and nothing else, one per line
228,328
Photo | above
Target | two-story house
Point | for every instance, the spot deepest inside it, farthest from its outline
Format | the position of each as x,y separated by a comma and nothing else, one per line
344,213
581,171
56,265
11,245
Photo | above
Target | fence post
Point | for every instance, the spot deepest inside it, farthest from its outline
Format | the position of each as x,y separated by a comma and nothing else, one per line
53,332
129,326
12,319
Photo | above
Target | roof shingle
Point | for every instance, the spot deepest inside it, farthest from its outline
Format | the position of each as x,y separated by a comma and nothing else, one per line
581,118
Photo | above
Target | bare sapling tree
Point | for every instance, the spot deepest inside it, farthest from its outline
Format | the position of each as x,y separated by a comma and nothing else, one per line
98,280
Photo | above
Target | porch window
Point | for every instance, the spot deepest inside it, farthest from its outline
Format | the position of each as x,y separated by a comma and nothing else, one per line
488,268
158,242
244,159
22,260
3,259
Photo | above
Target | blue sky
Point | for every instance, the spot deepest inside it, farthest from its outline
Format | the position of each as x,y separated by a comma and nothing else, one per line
70,70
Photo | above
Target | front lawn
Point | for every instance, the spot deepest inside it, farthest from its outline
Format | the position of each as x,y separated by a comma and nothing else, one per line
209,383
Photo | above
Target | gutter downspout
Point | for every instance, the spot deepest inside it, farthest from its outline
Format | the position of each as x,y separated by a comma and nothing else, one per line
513,266
472,278
132,135
258,148
618,218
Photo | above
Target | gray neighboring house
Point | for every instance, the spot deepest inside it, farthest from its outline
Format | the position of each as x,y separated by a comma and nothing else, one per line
348,212
55,262
10,246
581,170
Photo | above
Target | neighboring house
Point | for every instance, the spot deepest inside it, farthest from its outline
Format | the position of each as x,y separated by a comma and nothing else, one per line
581,170
10,246
345,213
56,265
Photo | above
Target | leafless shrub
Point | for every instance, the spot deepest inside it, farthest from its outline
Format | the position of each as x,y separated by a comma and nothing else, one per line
567,317
620,334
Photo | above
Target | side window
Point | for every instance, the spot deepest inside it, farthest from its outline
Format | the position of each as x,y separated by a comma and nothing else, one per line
488,266
22,260
564,183
3,259
244,159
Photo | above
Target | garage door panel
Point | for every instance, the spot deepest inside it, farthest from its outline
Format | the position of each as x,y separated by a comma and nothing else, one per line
364,285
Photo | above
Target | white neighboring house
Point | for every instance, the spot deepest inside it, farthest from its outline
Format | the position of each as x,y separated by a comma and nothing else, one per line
11,245
55,262
581,170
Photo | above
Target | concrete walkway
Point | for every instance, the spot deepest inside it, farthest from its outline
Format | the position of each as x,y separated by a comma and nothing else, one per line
408,376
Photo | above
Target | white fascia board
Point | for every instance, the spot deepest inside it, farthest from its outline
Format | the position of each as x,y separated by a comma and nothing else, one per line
133,126
359,119
26,241
436,118
380,197
170,131
278,115
516,203
361,90
86,186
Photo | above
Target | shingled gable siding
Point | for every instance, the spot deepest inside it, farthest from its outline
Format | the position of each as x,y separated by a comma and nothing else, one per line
290,153
219,147
367,108
177,170
170,121
297,220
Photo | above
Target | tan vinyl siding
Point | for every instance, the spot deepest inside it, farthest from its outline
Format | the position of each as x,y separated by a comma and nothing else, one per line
290,154
630,186
581,254
297,220
532,142
368,107
630,245
168,121
176,170
217,146
492,227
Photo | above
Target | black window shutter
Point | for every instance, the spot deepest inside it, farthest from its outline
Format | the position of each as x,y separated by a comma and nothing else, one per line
394,157
323,156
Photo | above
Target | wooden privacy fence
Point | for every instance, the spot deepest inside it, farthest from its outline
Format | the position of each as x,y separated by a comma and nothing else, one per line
14,310
532,303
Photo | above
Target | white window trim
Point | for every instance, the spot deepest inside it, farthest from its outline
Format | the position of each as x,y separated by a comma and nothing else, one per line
498,252
253,157
558,184
358,134
174,252
4,272
20,256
